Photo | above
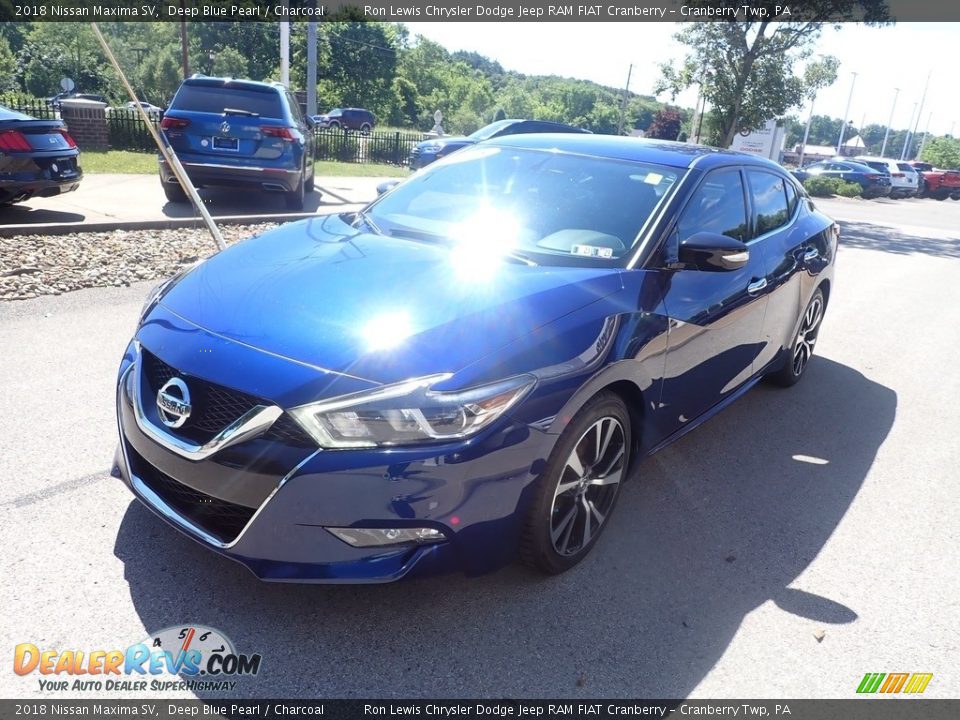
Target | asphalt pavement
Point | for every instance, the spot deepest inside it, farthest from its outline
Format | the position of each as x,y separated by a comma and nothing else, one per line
795,542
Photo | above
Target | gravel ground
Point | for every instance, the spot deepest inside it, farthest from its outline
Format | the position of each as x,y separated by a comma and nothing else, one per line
34,265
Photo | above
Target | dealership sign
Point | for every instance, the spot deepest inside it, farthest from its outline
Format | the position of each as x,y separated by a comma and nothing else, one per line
766,141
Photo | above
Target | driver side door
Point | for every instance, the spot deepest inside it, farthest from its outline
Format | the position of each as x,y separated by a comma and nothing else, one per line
716,317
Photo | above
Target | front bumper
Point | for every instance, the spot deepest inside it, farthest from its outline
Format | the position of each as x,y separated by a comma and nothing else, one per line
267,504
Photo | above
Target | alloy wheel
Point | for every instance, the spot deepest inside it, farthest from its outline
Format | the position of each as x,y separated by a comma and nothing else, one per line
807,335
588,486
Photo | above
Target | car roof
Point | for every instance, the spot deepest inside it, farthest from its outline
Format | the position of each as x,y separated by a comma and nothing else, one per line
205,81
614,147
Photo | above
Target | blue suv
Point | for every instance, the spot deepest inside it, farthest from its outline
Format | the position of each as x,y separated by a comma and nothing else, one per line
239,133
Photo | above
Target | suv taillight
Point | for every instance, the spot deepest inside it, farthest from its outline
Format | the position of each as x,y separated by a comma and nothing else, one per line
278,132
14,141
66,136
174,123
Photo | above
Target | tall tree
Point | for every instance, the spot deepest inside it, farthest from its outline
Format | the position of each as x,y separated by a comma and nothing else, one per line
746,69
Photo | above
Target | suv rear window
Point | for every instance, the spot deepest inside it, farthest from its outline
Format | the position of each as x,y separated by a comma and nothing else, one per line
904,166
213,99
882,167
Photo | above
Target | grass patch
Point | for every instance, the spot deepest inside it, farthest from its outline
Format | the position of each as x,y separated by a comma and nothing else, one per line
118,161
127,162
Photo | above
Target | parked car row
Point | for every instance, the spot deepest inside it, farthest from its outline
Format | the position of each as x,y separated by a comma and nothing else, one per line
883,177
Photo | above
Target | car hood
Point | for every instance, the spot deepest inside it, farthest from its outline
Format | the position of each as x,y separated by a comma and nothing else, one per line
374,307
446,141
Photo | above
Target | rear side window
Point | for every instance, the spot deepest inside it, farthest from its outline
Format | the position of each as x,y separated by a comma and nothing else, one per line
882,167
793,198
213,99
769,196
717,206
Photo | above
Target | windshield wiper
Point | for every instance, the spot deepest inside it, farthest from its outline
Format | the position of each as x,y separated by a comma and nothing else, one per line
240,111
368,221
422,236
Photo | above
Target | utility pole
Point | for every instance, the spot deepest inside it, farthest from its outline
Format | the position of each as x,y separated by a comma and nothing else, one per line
623,102
907,140
285,51
886,134
846,113
184,55
312,68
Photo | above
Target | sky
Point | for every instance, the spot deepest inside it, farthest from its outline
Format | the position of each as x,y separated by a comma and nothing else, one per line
884,58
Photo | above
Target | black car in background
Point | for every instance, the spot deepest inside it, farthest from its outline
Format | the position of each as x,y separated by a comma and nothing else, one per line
37,158
874,182
346,119
430,150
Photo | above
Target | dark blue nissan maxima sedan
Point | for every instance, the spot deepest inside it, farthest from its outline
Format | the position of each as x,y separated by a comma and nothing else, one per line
466,371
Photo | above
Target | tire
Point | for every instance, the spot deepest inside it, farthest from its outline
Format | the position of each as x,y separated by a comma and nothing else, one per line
308,184
573,503
174,192
335,125
365,129
797,358
295,198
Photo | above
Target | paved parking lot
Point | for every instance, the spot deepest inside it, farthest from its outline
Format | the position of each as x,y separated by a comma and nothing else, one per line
829,508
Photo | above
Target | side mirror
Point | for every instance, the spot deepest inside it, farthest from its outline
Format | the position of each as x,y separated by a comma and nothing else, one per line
386,186
713,252
308,121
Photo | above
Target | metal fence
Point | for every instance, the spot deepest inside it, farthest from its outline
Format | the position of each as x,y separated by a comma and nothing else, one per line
389,148
127,131
35,107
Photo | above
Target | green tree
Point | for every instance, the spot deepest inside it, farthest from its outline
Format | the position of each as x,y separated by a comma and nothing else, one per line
942,152
746,69
666,124
230,63
8,67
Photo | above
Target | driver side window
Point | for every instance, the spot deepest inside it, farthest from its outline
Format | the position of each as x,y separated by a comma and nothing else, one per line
717,206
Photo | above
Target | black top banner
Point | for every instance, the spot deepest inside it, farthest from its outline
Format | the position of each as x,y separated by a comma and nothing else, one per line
481,10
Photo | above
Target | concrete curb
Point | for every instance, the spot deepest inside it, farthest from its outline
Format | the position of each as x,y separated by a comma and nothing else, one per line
165,223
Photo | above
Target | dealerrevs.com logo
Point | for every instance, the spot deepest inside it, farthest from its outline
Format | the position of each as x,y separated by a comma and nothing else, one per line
182,657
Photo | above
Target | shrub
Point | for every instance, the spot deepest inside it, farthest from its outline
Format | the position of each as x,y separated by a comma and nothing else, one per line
820,186
847,189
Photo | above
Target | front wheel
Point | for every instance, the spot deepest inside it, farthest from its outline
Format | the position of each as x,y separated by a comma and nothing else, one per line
580,486
802,348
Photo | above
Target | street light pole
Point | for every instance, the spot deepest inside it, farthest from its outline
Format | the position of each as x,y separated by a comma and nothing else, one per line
886,134
623,101
846,113
806,132
923,99
926,134
909,138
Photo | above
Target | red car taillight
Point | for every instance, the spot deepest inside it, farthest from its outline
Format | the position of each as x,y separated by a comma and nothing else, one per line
873,177
173,123
14,141
279,132
66,136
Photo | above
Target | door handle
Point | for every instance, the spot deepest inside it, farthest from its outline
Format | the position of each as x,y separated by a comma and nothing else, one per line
756,286
811,254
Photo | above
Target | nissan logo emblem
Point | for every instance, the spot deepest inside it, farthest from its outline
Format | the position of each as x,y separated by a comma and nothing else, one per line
173,400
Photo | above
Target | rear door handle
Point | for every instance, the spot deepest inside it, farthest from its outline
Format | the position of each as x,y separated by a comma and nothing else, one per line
811,254
756,286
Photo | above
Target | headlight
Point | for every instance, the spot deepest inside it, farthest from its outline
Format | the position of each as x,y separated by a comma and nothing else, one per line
160,289
409,413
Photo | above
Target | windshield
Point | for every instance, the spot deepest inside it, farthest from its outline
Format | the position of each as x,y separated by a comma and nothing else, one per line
488,131
548,207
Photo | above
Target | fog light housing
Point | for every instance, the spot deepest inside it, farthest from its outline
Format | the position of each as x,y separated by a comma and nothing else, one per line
372,537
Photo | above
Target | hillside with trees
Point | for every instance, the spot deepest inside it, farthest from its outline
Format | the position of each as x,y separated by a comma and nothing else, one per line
402,79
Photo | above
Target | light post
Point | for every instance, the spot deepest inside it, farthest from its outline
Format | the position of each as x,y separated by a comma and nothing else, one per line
846,113
886,134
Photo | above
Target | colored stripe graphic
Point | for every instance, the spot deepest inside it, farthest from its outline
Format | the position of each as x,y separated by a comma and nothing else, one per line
918,683
870,682
913,683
